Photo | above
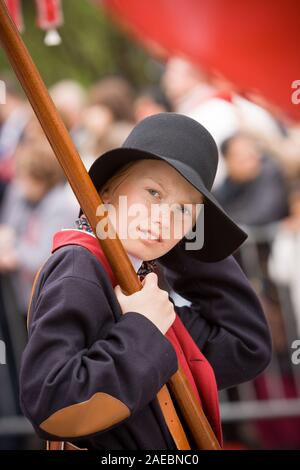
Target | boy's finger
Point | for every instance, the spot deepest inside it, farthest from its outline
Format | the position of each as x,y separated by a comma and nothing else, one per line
118,291
151,279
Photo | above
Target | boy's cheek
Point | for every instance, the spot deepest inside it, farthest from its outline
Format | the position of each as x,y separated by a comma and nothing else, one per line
168,244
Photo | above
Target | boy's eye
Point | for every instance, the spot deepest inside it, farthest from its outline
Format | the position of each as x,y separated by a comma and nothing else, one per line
153,192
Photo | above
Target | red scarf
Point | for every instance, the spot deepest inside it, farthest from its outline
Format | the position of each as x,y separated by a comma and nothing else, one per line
195,366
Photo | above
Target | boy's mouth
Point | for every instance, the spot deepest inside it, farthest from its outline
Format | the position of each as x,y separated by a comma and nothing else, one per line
149,235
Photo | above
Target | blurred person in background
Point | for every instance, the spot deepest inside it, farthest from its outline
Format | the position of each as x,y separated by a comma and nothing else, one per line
95,122
113,138
34,207
14,115
69,98
116,94
286,150
34,135
254,191
255,194
284,262
151,100
284,270
36,202
213,101
33,131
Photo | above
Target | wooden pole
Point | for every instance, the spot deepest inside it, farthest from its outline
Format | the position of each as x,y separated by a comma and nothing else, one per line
90,200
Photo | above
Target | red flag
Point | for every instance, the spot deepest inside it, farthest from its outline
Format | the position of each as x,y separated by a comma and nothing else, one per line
49,14
15,11
253,44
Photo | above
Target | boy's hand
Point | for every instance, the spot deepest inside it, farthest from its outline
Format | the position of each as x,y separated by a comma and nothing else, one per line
150,301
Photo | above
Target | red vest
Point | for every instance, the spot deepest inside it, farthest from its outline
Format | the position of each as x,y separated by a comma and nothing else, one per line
195,366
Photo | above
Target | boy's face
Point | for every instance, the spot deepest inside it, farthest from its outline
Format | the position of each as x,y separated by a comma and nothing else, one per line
243,160
33,190
294,203
161,208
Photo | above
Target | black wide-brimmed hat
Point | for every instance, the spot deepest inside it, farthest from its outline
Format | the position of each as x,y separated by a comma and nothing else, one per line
189,148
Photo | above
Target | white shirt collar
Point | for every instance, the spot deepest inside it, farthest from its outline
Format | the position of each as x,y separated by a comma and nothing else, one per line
136,262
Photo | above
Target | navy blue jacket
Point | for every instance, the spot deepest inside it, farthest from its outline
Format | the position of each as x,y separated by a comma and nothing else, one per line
90,375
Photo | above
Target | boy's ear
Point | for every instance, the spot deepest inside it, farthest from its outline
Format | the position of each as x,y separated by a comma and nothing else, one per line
105,195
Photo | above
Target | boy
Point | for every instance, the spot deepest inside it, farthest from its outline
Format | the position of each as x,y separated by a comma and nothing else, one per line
96,358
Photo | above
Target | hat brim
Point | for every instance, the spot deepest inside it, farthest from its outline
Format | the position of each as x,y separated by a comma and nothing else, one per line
222,236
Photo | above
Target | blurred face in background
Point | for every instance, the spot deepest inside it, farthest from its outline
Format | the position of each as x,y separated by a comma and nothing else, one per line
70,99
179,78
37,170
294,204
243,159
33,190
144,106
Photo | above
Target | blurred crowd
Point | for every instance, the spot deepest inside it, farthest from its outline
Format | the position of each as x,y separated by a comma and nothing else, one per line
258,178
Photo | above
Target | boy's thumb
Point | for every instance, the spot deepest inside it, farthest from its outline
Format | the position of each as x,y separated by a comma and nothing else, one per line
150,280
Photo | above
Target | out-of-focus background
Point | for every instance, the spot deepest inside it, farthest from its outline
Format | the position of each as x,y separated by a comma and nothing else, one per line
105,71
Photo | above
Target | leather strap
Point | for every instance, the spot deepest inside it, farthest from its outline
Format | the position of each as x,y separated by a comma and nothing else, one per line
172,420
61,445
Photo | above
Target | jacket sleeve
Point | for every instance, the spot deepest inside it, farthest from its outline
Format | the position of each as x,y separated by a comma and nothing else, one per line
82,372
225,317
